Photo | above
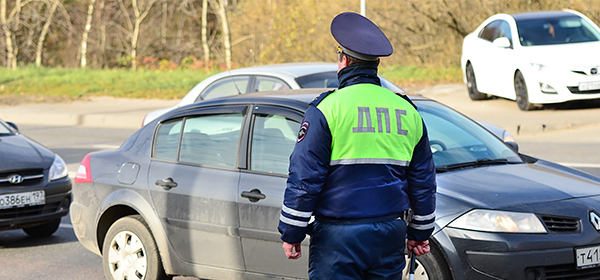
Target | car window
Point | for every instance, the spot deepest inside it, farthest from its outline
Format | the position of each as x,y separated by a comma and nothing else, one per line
225,87
167,140
556,30
4,130
319,80
456,139
273,140
490,31
268,84
503,31
211,140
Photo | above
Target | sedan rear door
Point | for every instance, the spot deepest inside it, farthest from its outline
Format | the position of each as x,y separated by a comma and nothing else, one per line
194,180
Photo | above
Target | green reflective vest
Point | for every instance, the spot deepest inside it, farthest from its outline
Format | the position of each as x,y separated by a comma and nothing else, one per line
371,125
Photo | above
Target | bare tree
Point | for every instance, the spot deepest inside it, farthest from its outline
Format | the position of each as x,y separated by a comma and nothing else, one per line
12,49
205,31
140,13
42,37
86,32
221,6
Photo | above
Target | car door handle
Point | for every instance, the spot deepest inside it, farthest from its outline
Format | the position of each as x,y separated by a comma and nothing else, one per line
253,195
166,183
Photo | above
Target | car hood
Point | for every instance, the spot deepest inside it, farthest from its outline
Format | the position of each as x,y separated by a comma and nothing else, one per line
566,55
19,152
504,186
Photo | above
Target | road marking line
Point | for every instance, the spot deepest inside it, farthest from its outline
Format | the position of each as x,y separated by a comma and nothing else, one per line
66,225
584,165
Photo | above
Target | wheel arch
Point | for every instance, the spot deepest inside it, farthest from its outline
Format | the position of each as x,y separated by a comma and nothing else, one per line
433,242
514,91
124,203
464,70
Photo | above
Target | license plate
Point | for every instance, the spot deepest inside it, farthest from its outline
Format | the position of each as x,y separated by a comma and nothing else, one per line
22,199
588,257
589,85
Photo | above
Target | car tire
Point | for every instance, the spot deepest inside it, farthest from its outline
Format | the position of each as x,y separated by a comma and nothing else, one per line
129,250
43,230
522,97
431,266
474,93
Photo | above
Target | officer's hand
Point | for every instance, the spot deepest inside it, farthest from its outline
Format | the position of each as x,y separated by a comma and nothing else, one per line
418,247
288,249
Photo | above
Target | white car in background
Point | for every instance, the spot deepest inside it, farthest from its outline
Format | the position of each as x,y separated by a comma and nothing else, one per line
533,58
263,78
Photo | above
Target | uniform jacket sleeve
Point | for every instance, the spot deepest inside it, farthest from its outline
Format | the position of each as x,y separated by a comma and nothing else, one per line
309,165
422,189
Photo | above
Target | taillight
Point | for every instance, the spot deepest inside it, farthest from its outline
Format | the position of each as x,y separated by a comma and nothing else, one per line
84,173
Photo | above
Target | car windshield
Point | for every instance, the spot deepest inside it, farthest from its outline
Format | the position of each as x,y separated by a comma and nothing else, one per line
457,141
556,30
4,130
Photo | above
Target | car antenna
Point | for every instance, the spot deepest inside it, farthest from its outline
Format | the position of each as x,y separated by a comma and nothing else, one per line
229,71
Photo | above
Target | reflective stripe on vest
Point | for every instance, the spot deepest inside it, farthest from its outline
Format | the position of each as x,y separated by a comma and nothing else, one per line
371,125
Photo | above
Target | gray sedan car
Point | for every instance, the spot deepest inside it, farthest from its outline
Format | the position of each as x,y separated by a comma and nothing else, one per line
198,192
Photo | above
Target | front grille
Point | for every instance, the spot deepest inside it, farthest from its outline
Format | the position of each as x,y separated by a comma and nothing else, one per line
22,212
30,177
575,90
561,224
564,272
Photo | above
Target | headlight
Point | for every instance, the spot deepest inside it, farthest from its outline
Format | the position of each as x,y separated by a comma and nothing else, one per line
58,169
546,88
499,221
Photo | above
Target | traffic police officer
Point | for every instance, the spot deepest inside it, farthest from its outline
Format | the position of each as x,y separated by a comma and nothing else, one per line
361,160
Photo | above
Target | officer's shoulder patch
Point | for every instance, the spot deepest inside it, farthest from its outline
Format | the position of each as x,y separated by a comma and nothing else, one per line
303,131
320,97
407,99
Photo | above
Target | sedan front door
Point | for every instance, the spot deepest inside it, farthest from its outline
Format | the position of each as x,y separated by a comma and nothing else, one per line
262,185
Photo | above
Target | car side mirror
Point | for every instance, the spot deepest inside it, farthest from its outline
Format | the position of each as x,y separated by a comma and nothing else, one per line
502,42
513,145
13,125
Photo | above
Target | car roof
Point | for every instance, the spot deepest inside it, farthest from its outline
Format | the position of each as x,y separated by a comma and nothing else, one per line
542,15
296,98
295,70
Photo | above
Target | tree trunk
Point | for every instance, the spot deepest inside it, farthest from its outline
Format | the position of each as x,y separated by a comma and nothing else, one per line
205,31
102,35
163,29
226,36
86,31
42,38
11,49
139,18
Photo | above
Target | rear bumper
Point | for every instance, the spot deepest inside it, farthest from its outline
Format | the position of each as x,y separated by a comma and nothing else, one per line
58,200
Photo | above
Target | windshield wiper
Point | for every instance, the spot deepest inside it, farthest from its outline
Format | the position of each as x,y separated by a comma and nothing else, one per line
478,162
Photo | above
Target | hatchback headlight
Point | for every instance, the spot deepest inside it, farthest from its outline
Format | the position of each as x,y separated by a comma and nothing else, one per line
58,169
499,221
